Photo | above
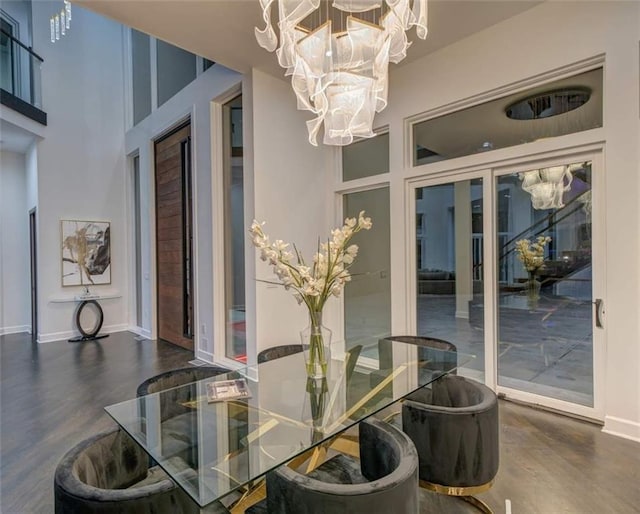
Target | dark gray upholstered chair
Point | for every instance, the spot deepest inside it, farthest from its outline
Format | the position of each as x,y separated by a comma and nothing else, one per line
438,361
276,352
386,480
352,355
179,422
178,377
455,428
431,351
173,404
109,474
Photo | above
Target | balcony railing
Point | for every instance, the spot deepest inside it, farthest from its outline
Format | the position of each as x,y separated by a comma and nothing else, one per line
20,77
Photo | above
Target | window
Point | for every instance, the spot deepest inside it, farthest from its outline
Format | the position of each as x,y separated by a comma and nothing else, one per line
234,231
141,75
176,69
366,158
566,106
367,298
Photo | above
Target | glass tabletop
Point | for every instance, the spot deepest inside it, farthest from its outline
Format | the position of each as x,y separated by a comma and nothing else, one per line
212,448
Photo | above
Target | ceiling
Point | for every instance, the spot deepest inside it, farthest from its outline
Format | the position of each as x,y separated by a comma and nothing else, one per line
223,30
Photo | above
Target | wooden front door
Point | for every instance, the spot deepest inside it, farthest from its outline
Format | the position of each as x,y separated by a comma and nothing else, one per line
174,237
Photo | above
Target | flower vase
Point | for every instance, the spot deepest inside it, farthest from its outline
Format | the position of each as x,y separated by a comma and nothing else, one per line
533,290
317,390
316,341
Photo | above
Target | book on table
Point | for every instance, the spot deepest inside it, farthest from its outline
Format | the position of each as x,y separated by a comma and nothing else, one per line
228,390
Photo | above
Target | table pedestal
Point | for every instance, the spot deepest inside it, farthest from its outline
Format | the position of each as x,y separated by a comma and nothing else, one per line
90,334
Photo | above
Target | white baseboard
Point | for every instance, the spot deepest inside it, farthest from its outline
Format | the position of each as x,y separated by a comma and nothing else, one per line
18,329
622,428
136,330
61,336
140,331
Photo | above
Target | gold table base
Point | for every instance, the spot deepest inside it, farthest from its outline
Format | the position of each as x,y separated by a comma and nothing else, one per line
343,443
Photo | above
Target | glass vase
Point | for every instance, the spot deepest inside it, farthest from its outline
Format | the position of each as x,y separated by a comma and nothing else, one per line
314,408
316,342
533,290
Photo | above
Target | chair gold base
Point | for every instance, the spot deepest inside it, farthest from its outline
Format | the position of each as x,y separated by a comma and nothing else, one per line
464,493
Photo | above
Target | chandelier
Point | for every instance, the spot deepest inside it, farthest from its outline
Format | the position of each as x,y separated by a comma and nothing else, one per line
338,56
547,186
60,23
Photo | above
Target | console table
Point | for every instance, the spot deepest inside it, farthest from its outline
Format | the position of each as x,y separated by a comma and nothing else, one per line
87,301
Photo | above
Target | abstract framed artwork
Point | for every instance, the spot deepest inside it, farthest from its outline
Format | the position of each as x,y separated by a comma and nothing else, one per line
86,252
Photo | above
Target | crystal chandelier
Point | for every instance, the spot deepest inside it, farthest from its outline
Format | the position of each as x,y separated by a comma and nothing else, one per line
338,56
60,23
547,186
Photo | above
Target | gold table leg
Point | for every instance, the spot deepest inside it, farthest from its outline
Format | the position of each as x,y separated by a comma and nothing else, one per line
316,456
251,497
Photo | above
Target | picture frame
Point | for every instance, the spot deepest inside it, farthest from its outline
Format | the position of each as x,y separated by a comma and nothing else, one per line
85,253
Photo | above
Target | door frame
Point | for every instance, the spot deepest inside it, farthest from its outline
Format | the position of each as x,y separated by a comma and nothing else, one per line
489,173
33,254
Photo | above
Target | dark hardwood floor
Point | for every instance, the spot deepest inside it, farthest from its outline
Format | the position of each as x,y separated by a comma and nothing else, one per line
53,394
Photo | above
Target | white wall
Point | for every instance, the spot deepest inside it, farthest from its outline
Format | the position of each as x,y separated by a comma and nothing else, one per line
285,184
195,101
550,37
289,190
31,170
15,306
81,163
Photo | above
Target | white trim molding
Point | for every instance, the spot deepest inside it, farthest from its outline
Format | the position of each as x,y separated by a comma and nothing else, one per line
17,329
204,356
139,331
624,428
68,334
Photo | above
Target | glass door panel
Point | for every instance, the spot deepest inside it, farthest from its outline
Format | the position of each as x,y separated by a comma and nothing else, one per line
367,298
544,279
449,281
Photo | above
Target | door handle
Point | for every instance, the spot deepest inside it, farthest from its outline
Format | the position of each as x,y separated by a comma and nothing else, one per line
599,303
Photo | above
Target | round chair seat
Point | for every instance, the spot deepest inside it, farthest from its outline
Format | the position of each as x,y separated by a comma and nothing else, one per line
109,474
454,426
385,479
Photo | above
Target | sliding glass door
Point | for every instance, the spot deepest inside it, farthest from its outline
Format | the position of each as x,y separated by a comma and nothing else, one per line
544,279
506,268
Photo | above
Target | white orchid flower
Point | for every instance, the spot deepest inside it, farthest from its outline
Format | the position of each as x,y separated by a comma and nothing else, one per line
313,285
364,223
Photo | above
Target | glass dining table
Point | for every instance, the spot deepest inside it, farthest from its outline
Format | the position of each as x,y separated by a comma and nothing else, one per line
213,448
